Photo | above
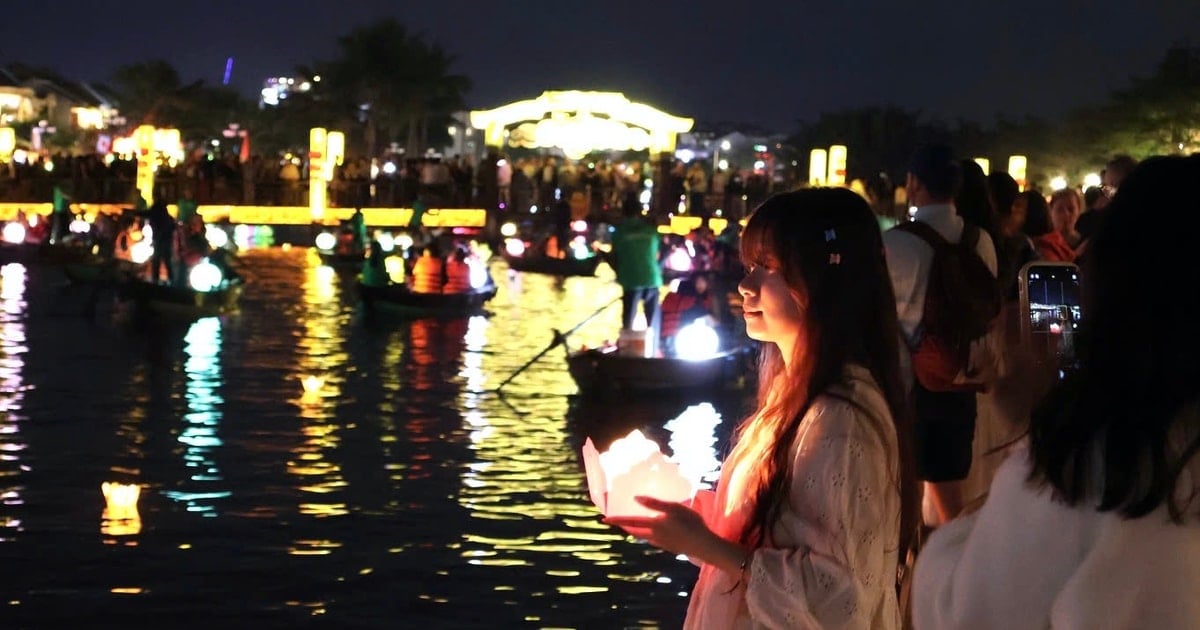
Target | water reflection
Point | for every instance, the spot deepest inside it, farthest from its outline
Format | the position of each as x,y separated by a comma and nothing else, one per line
12,395
319,357
201,492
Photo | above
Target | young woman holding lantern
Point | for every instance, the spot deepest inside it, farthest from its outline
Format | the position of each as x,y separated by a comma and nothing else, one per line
817,501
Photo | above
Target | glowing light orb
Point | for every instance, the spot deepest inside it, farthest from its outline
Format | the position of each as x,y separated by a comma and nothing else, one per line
514,247
394,266
14,233
508,229
1091,180
326,241
80,226
478,276
697,341
386,241
404,241
679,260
579,225
579,249
216,237
141,251
1058,183
205,277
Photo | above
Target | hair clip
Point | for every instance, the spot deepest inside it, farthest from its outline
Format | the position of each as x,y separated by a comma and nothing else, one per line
830,235
835,259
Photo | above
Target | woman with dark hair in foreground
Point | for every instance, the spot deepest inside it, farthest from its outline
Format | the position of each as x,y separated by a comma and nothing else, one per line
817,502
1096,522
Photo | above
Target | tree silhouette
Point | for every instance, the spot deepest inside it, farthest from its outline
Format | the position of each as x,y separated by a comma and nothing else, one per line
395,81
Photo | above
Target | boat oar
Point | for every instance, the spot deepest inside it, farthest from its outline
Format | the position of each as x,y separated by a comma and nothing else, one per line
559,338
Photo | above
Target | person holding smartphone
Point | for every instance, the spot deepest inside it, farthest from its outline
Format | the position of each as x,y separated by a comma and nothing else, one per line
1095,521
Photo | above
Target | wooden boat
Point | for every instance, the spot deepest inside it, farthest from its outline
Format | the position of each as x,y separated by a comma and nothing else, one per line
398,299
602,371
345,261
179,301
553,266
44,253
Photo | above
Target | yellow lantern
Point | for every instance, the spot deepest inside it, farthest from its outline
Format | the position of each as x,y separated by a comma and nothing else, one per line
335,152
837,166
8,143
633,466
1017,164
818,164
317,140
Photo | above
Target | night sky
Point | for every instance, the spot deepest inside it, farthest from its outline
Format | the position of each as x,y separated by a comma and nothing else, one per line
768,62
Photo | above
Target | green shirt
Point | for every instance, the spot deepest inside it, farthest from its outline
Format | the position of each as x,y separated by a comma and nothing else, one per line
635,246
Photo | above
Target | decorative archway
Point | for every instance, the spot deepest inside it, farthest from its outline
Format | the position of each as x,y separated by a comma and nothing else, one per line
579,122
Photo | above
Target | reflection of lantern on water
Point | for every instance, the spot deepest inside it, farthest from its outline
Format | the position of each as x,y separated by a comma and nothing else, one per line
632,466
120,517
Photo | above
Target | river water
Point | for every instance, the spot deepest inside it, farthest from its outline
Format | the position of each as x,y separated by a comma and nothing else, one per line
403,492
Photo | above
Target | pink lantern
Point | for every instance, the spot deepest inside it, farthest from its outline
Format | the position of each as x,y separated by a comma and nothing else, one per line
633,466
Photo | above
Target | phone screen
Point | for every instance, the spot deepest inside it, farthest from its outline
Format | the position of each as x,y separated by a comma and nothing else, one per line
1054,312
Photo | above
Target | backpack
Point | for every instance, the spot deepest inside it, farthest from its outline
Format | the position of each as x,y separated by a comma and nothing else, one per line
962,304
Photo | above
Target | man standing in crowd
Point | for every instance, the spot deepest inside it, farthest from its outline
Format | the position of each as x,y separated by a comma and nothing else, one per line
944,422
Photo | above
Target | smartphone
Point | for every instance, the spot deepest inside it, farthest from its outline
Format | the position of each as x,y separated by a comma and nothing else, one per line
1051,311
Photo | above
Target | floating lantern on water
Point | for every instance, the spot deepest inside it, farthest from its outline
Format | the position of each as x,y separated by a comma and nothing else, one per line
633,466
120,517
312,384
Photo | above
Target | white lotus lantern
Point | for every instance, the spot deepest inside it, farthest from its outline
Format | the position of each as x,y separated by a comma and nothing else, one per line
312,384
633,466
120,500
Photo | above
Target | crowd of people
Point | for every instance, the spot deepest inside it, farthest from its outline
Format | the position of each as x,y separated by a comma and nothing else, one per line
847,500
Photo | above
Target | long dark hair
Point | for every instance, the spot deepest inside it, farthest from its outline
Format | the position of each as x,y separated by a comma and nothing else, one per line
1129,412
830,252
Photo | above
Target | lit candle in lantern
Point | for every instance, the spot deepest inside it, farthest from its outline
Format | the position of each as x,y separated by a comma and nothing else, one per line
120,517
633,466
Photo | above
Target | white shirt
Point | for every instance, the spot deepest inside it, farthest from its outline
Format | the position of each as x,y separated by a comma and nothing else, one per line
1026,560
909,258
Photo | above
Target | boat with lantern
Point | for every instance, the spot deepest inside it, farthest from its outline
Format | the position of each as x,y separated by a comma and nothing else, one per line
209,292
615,369
398,299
